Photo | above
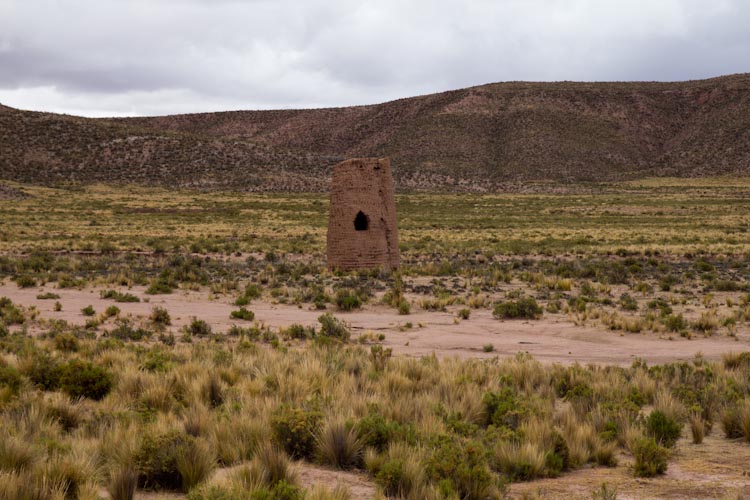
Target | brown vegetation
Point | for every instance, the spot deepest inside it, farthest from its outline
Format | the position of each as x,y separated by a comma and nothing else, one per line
489,137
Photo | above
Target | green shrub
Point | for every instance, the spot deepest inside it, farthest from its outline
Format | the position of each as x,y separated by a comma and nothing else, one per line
628,303
374,431
461,469
118,296
10,379
66,342
464,313
557,459
524,308
43,370
112,311
199,328
88,310
243,313
333,327
156,360
125,331
391,476
84,379
735,421
156,460
503,409
10,314
160,316
295,429
664,429
347,299
404,307
297,331
47,296
675,323
25,281
650,458
160,286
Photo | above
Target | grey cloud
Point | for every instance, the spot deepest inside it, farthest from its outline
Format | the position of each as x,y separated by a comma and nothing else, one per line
147,57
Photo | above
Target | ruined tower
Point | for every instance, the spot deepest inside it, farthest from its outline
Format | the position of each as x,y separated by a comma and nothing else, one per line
362,231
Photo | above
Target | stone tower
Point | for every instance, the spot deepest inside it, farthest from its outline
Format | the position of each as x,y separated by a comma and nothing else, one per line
362,232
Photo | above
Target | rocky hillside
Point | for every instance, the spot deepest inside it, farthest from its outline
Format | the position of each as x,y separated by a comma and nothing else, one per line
490,137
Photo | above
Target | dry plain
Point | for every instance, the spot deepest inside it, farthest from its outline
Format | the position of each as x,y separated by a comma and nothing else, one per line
622,299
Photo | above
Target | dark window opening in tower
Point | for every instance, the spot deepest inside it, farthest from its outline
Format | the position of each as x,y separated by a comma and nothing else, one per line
361,222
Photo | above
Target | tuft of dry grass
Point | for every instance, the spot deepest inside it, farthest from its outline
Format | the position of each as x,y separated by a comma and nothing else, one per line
195,463
122,483
338,445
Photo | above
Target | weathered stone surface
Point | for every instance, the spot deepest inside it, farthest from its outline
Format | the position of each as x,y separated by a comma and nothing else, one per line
362,227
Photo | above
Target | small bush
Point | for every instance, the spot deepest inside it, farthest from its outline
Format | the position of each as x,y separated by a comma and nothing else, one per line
464,313
297,331
523,308
664,429
503,409
650,458
10,379
43,370
125,331
159,286
374,431
156,460
111,311
462,469
160,316
199,328
404,307
675,323
66,342
295,430
84,379
347,300
47,296
118,296
88,310
391,477
25,281
628,303
243,313
333,327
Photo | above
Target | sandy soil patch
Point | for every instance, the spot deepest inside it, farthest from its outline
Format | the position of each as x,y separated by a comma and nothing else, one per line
554,338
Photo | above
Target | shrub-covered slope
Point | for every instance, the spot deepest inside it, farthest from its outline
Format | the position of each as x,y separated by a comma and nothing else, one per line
479,138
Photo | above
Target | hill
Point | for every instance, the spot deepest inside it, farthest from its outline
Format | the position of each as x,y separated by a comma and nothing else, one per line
489,137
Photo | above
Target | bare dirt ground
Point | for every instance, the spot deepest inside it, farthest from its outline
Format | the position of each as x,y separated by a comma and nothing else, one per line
716,469
554,338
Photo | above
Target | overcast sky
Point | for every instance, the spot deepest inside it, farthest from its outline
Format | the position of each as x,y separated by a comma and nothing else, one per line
149,57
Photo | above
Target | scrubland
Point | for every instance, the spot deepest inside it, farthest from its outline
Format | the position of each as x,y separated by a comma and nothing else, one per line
106,389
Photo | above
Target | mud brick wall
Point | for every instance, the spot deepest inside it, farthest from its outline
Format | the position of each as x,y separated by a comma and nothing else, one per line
362,227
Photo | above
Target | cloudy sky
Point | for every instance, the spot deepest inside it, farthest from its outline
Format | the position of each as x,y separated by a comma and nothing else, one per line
148,57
